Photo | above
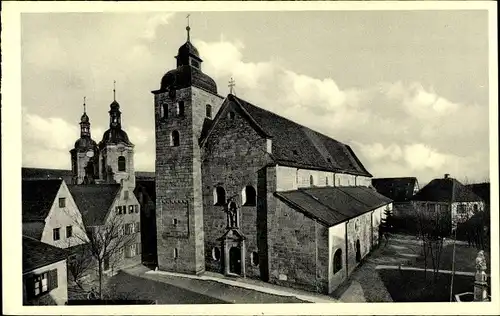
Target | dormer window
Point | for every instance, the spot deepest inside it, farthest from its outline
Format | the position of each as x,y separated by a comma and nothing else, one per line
195,63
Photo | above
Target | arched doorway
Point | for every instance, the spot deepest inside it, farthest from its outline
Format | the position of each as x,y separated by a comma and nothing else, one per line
235,260
358,251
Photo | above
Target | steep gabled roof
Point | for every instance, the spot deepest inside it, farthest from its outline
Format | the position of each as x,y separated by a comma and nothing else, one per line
446,190
37,254
334,205
38,197
482,190
295,145
94,201
397,189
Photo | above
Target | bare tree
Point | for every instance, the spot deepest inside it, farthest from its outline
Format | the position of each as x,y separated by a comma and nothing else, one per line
103,247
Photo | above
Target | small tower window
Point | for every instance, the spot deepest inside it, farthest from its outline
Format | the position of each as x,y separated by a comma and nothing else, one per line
249,196
121,163
208,111
164,110
174,139
219,196
180,108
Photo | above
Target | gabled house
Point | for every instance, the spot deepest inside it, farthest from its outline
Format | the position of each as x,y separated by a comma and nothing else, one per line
44,273
111,212
50,215
460,200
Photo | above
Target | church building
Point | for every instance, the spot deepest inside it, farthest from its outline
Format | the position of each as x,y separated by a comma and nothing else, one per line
247,193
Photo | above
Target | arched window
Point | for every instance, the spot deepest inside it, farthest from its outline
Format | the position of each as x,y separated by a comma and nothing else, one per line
180,108
216,253
255,258
164,110
219,196
121,163
174,139
311,180
208,111
249,196
337,261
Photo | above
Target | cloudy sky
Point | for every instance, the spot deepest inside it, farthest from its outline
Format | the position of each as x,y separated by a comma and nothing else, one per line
408,90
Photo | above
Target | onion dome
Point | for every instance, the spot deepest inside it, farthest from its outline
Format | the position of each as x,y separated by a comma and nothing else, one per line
84,118
115,136
187,76
84,144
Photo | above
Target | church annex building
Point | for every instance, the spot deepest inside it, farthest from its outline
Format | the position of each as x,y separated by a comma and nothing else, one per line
245,192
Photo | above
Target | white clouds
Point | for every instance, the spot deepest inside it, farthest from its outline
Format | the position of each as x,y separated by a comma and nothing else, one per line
420,157
154,22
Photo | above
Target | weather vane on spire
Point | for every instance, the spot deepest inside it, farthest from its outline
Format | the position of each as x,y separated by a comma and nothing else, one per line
114,90
231,85
188,28
84,105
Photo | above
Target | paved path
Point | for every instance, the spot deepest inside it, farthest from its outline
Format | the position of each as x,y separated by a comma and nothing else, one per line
385,267
213,289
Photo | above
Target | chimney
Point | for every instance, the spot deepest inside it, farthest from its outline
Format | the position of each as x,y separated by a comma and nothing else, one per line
446,175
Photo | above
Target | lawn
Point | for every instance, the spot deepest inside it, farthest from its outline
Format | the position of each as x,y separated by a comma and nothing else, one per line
413,286
465,259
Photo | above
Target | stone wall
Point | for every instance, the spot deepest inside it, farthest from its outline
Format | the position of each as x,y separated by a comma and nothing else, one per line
233,156
179,202
298,250
337,236
359,228
108,161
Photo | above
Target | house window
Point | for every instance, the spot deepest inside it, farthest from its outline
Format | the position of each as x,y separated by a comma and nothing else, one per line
69,231
180,108
130,209
41,284
216,253
337,261
62,202
176,253
208,111
255,258
136,208
461,209
125,195
174,139
128,229
56,234
311,180
121,163
118,210
249,196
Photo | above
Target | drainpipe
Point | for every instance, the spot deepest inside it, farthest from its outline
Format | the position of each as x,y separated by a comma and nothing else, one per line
346,252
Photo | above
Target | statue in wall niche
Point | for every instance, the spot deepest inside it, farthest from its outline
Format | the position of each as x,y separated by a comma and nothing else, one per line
232,212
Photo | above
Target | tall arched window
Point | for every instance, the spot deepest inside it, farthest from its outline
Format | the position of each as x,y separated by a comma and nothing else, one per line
311,180
208,110
121,164
180,108
219,196
337,261
175,139
249,196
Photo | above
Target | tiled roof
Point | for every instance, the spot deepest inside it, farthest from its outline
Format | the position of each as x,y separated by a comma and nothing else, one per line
397,189
41,173
446,190
94,201
33,229
38,197
298,146
334,205
37,254
482,190
67,175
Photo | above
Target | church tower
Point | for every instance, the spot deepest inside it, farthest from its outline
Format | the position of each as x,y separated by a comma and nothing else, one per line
84,155
116,159
187,99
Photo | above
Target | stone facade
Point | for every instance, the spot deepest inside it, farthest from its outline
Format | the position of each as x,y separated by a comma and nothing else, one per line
178,178
108,160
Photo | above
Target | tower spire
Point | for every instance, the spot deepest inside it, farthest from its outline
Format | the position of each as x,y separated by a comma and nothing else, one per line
188,28
84,106
114,90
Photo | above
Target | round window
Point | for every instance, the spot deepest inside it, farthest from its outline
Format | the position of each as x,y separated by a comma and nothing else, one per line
255,258
216,253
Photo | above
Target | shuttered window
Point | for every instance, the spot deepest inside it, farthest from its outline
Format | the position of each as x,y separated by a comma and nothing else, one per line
131,209
43,283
